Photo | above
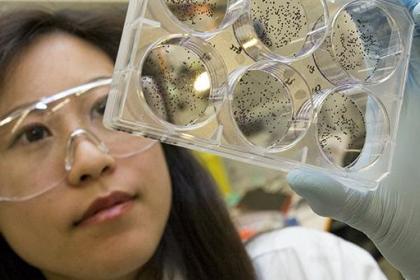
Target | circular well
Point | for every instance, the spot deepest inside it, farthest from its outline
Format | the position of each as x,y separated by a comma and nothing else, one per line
183,82
282,30
363,46
264,105
352,127
203,17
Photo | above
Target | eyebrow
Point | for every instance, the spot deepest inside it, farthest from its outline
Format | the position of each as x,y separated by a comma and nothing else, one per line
86,86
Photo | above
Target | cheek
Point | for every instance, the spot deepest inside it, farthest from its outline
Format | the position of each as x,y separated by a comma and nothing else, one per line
158,171
156,192
156,183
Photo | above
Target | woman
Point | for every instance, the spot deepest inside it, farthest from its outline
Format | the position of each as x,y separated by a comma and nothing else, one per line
175,214
82,202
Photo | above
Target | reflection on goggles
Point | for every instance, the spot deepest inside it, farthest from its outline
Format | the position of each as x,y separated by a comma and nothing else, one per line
34,139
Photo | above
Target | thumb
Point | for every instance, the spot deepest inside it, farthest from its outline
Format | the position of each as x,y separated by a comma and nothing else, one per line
328,197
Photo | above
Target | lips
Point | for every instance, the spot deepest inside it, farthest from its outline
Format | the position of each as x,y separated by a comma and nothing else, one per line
106,208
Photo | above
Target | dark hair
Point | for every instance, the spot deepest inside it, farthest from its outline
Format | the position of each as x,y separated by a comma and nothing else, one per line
200,240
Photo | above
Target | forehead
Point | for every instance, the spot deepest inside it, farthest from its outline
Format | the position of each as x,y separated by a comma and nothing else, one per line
51,64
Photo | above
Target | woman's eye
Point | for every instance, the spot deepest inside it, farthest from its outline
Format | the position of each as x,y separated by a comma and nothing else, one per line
99,107
33,133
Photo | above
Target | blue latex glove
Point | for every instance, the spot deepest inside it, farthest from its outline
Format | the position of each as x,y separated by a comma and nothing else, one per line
390,215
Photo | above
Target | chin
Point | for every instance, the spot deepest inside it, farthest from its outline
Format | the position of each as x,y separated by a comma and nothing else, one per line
113,265
132,253
114,256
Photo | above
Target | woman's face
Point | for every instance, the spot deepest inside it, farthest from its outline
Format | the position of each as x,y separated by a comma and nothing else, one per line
45,231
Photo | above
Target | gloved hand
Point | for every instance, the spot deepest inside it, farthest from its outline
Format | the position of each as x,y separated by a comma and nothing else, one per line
390,215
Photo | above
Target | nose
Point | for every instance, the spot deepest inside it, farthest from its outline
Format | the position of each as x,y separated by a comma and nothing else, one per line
87,157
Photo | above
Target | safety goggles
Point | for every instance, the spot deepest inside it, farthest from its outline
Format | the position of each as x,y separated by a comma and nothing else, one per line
38,140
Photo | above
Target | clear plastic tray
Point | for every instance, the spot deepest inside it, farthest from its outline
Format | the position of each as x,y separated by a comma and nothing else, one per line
280,84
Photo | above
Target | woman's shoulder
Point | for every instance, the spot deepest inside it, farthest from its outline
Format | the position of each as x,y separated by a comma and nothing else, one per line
299,253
